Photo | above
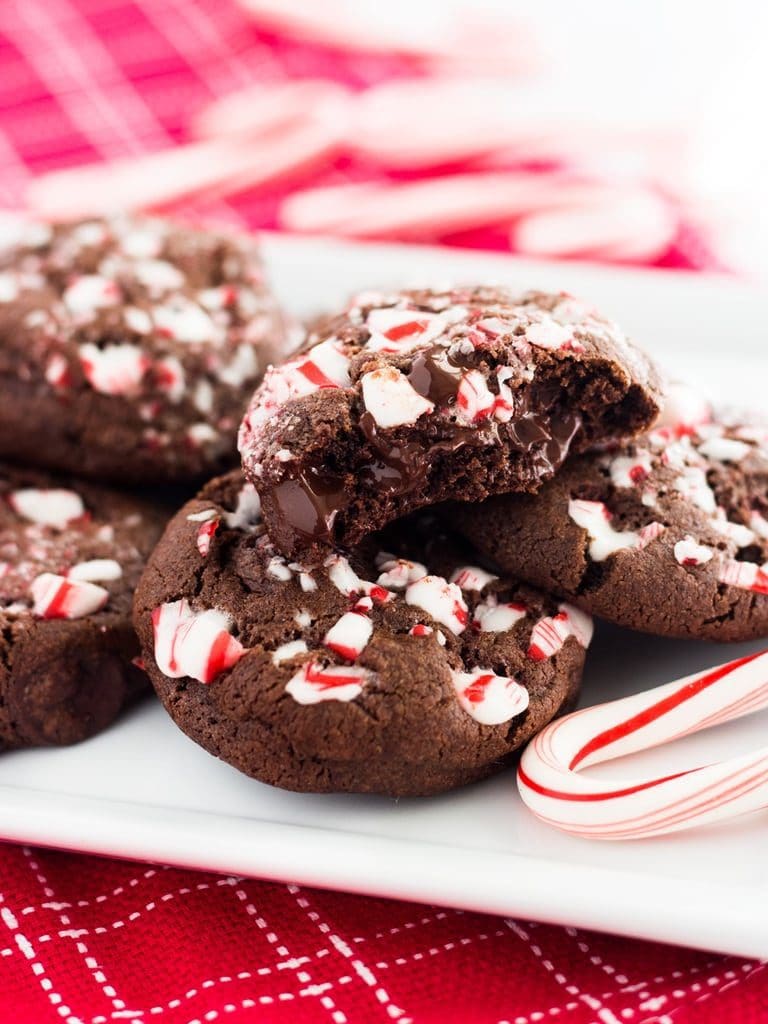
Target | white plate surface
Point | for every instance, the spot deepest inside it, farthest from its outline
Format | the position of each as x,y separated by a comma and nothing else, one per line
143,790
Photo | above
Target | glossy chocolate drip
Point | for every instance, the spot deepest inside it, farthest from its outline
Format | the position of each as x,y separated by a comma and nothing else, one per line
308,504
401,467
401,462
435,377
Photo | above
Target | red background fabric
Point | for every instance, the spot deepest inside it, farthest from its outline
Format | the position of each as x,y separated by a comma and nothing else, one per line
92,940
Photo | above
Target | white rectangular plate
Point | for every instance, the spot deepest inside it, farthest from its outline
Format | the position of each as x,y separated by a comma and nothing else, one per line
143,790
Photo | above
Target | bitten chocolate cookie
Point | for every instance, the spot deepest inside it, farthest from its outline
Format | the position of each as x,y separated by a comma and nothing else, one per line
668,535
129,348
416,397
373,673
70,556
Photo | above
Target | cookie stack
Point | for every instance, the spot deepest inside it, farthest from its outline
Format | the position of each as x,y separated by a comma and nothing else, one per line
128,351
315,619
394,590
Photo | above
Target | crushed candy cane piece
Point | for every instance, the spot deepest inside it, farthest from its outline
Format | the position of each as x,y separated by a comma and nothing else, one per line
550,633
195,644
488,698
316,682
56,597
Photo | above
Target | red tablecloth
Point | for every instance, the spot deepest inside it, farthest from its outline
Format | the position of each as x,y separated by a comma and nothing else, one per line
89,940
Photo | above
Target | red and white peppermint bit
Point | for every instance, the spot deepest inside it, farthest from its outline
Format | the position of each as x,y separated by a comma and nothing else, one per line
137,319
595,518
630,470
57,371
758,524
549,334
114,369
391,399
183,320
441,600
56,597
397,573
96,570
420,630
89,293
684,410
724,449
693,485
504,409
741,535
349,636
745,575
277,568
474,399
203,516
195,644
345,579
9,287
242,367
472,578
550,633
316,682
51,506
551,785
648,533
157,276
690,553
205,534
488,698
247,514
289,650
494,617
169,376
200,434
402,330
324,366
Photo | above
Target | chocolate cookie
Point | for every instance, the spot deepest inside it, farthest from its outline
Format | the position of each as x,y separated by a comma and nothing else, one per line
70,556
129,348
362,673
668,535
415,397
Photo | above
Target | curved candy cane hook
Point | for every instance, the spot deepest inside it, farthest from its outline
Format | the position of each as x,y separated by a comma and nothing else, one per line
549,776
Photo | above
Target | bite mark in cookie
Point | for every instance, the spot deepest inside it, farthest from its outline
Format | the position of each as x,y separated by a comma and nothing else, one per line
410,398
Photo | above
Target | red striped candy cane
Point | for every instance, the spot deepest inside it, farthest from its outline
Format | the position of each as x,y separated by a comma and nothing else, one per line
549,776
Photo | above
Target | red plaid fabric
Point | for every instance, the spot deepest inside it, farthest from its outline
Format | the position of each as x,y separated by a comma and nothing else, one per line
91,941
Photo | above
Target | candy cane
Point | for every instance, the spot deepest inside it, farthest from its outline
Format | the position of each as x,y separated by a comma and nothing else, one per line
221,166
452,202
598,808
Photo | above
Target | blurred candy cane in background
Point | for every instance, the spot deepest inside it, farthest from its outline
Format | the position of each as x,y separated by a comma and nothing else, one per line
529,131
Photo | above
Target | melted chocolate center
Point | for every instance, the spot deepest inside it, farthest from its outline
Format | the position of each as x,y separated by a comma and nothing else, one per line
309,504
431,376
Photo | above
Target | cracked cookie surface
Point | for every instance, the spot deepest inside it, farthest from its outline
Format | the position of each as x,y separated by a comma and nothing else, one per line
129,347
70,556
415,397
668,535
398,668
